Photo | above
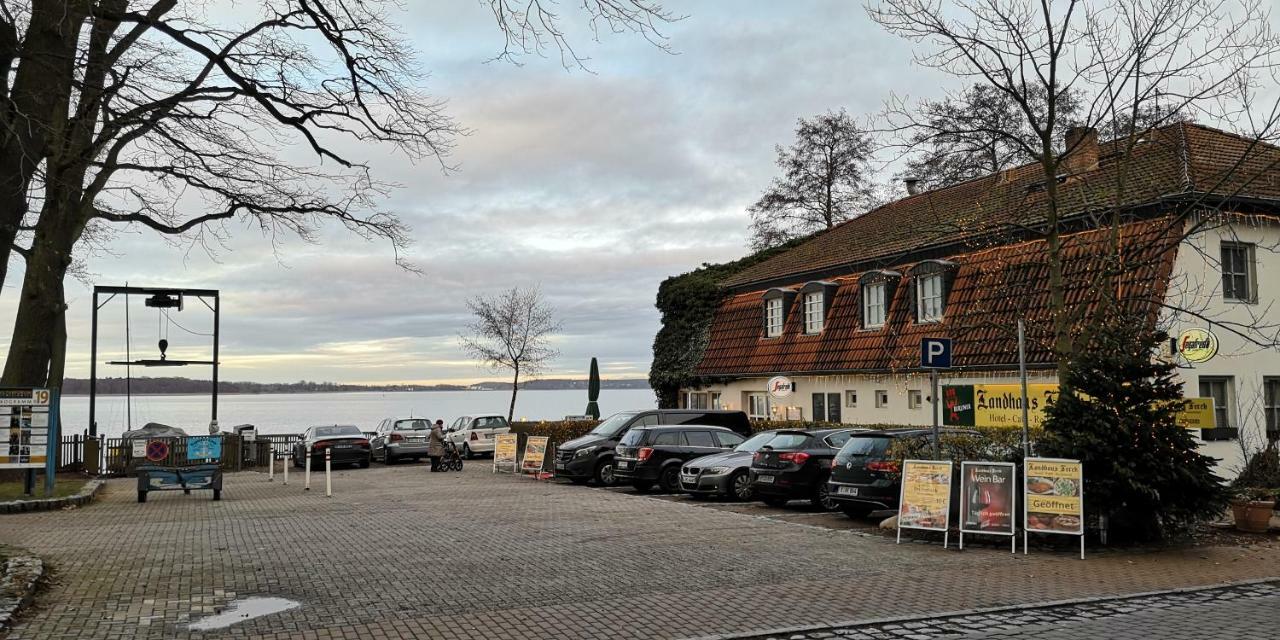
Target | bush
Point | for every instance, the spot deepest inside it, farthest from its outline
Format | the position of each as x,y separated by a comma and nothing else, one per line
1261,472
556,431
989,444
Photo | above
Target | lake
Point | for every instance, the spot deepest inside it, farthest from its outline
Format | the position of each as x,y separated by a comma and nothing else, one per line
291,413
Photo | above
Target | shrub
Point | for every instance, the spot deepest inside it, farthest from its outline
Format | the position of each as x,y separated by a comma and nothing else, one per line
988,444
556,431
1261,471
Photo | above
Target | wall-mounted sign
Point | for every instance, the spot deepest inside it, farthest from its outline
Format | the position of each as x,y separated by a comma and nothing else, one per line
1197,413
781,387
995,405
1197,345
204,447
26,414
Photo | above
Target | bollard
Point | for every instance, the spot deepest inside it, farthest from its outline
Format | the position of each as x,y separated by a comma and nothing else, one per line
306,484
328,469
271,465
288,462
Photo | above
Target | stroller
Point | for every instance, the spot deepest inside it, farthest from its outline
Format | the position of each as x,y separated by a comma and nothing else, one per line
452,458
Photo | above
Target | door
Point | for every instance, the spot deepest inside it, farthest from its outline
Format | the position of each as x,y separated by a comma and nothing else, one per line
379,438
820,407
833,407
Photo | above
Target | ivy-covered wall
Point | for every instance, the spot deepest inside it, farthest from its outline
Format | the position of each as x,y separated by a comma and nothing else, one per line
687,303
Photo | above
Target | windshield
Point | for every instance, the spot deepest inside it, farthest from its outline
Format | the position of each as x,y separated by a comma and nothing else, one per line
755,442
613,425
412,425
338,430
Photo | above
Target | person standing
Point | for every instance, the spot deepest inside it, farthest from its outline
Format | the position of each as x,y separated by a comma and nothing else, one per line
435,445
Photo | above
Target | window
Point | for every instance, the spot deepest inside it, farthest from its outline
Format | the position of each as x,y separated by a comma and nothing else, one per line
826,407
773,317
758,406
1218,388
1271,403
851,399
1237,272
696,400
882,398
820,406
873,306
929,298
814,308
700,439
833,407
728,439
914,399
667,438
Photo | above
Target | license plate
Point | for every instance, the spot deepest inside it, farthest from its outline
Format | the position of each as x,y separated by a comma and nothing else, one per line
847,491
488,436
561,466
341,446
417,439
689,479
764,479
623,464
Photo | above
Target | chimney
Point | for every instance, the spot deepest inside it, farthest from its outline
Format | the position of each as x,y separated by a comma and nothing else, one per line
1081,149
913,185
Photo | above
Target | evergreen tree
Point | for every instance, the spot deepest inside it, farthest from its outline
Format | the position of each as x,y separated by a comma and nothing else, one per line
1117,414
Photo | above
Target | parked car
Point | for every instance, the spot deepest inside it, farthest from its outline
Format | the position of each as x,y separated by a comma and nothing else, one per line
795,465
591,456
475,434
648,455
864,478
400,438
725,474
348,444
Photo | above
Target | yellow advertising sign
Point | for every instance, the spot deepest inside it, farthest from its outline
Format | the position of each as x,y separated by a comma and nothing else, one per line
995,405
926,495
1054,492
1197,413
504,450
535,452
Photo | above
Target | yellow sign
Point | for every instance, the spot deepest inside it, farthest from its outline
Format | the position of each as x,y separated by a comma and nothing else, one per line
1197,345
926,495
535,451
995,405
1197,413
1054,492
504,450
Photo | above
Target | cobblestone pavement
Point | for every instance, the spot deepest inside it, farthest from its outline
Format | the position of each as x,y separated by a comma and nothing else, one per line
1237,612
399,553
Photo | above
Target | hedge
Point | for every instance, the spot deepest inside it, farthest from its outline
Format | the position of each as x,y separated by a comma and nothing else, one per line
990,444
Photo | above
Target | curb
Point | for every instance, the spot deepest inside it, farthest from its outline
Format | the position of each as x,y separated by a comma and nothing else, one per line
871,622
87,493
18,587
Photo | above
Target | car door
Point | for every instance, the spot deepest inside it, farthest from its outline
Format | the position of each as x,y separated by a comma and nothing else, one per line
379,437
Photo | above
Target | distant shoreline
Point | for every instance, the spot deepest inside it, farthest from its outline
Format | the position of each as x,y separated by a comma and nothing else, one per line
142,388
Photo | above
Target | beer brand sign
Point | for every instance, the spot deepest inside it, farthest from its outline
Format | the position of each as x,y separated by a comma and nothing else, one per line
995,405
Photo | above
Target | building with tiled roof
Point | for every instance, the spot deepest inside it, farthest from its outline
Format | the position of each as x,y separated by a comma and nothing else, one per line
1184,217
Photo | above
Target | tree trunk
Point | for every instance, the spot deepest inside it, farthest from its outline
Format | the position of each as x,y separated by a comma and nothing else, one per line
515,386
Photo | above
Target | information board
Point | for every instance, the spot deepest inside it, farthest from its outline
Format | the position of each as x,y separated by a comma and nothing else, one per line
995,405
925,501
535,452
204,447
1054,494
504,450
1197,413
26,413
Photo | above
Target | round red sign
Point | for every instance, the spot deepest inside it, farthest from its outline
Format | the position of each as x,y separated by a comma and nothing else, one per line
157,450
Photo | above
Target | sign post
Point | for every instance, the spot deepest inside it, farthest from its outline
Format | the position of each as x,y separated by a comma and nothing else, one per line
925,498
988,500
935,353
52,444
1054,493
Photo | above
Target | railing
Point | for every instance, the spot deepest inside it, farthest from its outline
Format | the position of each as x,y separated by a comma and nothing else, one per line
71,453
115,455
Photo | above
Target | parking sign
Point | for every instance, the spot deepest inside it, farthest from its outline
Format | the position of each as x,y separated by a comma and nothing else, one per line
935,353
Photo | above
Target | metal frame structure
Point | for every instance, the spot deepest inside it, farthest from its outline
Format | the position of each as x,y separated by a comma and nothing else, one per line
203,295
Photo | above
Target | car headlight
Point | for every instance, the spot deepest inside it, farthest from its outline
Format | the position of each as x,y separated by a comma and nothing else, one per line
583,452
715,471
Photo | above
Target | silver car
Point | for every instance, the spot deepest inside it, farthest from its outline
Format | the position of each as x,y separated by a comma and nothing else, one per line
400,438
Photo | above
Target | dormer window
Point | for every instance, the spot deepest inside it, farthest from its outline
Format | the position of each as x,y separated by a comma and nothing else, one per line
929,298
873,307
776,304
814,312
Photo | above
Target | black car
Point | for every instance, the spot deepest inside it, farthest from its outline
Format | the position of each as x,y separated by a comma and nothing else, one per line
864,478
591,456
795,466
725,474
346,444
648,455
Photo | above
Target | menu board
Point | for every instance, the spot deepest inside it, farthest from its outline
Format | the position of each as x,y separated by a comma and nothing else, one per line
1054,491
504,450
26,413
535,451
987,497
926,495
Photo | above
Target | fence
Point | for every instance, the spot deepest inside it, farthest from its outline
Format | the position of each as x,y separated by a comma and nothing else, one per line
114,456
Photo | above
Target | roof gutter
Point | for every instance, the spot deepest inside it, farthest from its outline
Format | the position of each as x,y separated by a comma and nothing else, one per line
1031,366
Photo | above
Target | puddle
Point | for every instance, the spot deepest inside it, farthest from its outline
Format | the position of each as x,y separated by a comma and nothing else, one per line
241,610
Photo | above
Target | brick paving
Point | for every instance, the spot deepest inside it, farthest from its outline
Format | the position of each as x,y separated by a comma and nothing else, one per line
399,553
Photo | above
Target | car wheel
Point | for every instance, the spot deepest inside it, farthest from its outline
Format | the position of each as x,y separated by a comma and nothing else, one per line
466,451
822,497
775,501
855,512
740,486
604,473
642,487
669,481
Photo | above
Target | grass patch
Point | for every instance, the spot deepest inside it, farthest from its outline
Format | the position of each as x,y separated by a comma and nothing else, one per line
63,487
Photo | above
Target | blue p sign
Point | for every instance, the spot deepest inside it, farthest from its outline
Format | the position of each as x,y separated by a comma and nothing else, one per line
935,353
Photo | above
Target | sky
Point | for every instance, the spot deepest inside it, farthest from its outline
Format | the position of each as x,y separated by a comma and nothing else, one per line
593,185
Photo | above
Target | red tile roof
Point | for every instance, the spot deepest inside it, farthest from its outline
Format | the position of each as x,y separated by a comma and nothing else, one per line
1176,160
991,289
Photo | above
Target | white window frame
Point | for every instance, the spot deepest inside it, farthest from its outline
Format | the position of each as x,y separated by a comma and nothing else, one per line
1271,402
873,300
697,400
1221,413
755,401
882,398
1247,271
814,312
915,399
851,399
929,298
773,317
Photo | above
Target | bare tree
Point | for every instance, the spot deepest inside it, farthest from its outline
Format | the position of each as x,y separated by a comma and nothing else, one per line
157,114
512,330
826,179
1071,63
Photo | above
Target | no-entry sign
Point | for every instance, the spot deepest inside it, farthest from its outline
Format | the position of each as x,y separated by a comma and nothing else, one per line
157,450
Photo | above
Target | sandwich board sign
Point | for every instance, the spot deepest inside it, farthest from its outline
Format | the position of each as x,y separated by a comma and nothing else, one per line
535,452
1054,492
504,451
925,498
988,500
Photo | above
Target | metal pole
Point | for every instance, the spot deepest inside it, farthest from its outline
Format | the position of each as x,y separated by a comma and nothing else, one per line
271,463
933,396
328,471
217,322
54,444
128,369
1022,373
306,484
93,369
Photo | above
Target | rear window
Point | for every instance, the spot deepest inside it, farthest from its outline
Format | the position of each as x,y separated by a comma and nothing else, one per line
634,437
340,430
755,442
728,439
837,440
865,447
790,441
412,425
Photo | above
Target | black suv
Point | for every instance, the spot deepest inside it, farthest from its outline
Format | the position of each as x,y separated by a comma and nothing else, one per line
795,465
591,456
655,454
864,478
